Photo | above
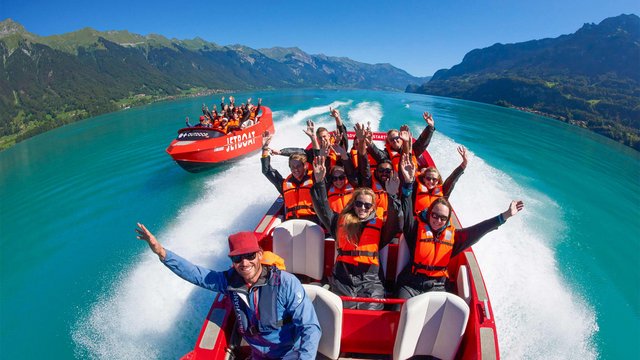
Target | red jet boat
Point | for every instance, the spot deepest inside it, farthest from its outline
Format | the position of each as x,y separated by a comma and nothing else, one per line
435,325
199,148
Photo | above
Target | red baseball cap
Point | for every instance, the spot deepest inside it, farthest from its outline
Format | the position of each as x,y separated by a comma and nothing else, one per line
245,242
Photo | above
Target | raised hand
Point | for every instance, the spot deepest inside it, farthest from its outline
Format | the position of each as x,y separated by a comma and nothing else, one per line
259,100
319,170
335,113
428,118
408,168
405,133
392,184
463,152
325,147
249,101
310,129
146,235
339,150
266,139
369,137
361,132
515,207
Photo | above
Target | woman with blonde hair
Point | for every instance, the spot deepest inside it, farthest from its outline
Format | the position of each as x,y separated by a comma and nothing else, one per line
359,233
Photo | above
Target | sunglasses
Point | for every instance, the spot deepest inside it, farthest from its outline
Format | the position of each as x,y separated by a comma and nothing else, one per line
395,138
426,178
384,171
364,205
439,217
339,177
238,258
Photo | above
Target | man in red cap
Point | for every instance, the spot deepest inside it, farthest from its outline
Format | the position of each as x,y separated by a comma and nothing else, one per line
274,315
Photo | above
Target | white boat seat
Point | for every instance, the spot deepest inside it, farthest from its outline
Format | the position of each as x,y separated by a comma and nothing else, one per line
431,324
328,307
463,284
301,244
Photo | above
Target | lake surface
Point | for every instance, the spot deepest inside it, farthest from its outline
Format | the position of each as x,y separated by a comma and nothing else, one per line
75,282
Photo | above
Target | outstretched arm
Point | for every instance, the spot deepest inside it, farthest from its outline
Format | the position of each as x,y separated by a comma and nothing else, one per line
466,237
450,182
425,137
146,235
197,275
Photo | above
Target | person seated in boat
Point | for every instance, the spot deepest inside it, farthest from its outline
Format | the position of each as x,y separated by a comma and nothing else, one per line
429,186
283,322
234,123
340,191
380,176
399,142
223,126
433,240
359,233
295,188
204,122
254,111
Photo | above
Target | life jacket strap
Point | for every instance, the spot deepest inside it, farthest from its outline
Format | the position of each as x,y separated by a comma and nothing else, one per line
417,267
373,254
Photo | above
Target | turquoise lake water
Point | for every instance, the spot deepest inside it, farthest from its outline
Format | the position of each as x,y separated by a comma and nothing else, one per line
75,282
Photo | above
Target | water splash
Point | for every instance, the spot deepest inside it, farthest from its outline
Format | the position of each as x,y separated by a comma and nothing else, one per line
538,315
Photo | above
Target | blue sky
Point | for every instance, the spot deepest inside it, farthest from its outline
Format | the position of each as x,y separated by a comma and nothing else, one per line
417,36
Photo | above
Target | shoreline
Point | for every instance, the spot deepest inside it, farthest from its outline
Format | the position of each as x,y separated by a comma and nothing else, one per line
8,141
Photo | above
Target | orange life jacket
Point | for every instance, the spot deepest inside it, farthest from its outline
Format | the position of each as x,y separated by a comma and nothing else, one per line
382,202
366,252
271,258
354,160
338,198
297,198
432,255
424,196
396,157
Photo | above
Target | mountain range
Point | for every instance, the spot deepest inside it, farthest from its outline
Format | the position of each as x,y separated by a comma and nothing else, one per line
590,78
48,81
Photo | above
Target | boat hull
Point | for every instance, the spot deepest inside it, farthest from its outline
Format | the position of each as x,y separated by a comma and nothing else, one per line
198,149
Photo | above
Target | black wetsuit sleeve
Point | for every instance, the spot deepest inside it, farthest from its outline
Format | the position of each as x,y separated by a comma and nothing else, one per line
466,237
378,155
291,150
450,183
364,168
393,225
344,139
421,143
272,174
350,171
327,216
245,116
410,225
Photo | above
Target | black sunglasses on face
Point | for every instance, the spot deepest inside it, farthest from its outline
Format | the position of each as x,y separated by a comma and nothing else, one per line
384,171
339,177
238,258
360,204
439,217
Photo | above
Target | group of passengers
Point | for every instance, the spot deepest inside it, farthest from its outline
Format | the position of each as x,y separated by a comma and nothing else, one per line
364,209
230,117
